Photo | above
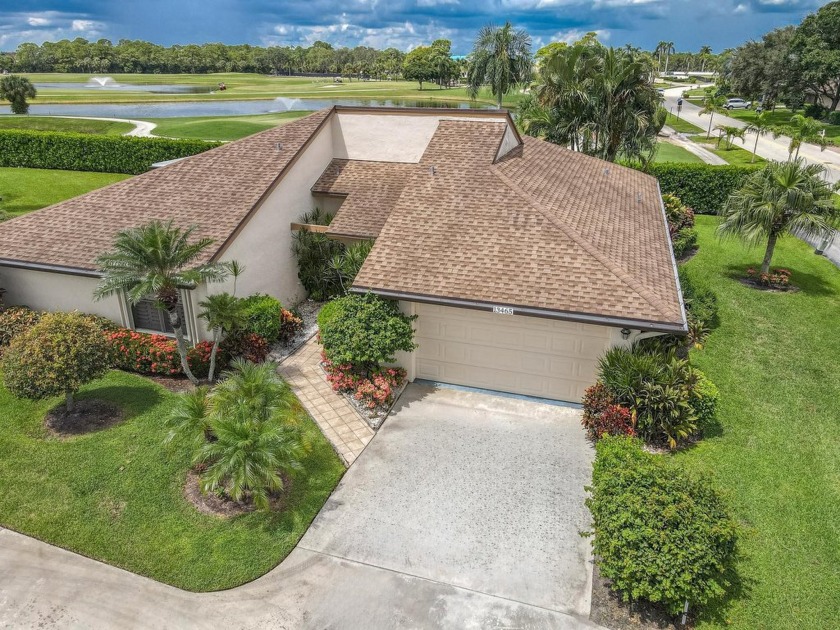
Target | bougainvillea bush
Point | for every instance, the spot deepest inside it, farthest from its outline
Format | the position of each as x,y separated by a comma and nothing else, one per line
374,390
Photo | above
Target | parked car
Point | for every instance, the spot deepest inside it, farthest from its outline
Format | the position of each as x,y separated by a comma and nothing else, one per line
737,103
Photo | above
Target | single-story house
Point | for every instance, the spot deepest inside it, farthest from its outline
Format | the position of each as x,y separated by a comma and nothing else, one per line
523,260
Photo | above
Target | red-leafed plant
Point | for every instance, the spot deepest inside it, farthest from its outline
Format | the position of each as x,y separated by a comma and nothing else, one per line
601,416
373,390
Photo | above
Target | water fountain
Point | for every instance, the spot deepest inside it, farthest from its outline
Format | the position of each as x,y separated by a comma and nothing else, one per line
101,82
289,104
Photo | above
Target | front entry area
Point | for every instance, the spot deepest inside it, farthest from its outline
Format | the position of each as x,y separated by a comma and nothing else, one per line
533,356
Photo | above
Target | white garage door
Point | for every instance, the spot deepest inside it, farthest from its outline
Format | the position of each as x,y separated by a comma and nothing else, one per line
511,353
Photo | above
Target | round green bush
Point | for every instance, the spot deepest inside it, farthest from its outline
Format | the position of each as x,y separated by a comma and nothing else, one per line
16,320
364,330
704,399
58,355
661,534
263,314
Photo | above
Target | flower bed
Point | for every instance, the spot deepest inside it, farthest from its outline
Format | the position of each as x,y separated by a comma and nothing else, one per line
776,279
373,393
154,354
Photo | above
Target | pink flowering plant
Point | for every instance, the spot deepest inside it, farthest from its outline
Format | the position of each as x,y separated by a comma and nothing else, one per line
374,390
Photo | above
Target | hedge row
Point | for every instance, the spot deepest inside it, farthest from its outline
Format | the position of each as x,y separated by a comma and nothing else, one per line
86,152
703,187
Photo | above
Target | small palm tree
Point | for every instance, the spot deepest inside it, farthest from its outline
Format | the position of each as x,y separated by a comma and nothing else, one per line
781,198
760,125
729,133
501,58
256,388
712,105
16,90
801,129
158,259
223,313
190,418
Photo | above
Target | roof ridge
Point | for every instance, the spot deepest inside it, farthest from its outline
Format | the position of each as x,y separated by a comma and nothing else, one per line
587,245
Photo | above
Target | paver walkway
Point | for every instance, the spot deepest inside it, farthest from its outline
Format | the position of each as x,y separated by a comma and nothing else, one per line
340,423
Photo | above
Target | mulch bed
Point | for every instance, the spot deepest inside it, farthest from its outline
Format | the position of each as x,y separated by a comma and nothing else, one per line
87,416
177,384
609,611
687,255
755,284
223,507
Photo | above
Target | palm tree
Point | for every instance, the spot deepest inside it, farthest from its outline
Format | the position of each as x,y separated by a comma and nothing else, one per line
190,418
501,58
158,259
760,125
781,198
660,48
668,50
712,105
254,387
16,90
223,313
729,133
801,129
705,52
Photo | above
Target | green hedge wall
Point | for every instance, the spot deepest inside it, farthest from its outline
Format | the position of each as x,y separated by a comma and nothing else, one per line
703,187
86,152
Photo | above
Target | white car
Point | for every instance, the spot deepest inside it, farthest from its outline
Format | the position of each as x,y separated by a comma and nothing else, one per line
737,103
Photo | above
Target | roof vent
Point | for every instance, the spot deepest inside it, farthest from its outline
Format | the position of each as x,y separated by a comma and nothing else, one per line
639,197
432,170
607,170
279,147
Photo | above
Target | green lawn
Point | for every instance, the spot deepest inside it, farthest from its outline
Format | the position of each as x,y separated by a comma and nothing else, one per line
667,152
734,155
77,125
681,125
117,495
775,358
245,86
221,127
780,117
25,189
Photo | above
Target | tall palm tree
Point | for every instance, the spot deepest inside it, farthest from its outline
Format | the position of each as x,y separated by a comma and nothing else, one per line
712,105
760,125
669,50
705,53
223,313
660,48
501,58
158,259
781,198
729,133
16,90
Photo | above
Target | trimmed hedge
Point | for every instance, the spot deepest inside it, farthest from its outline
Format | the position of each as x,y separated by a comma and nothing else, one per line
703,187
87,152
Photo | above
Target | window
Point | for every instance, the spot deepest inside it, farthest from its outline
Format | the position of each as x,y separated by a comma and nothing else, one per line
147,316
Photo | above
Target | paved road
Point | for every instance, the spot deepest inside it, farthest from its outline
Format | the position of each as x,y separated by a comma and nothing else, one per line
768,147
142,128
463,512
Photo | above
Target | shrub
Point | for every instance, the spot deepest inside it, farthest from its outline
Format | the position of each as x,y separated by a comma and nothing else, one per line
678,214
87,152
833,118
700,301
775,279
684,241
246,345
263,313
704,400
703,187
58,355
157,355
365,331
816,111
16,320
656,388
661,535
377,389
290,325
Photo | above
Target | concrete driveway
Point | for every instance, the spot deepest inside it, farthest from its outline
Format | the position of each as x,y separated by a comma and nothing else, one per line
463,512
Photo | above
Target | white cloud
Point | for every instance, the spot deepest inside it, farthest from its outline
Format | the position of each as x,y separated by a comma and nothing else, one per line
404,36
572,35
435,3
38,21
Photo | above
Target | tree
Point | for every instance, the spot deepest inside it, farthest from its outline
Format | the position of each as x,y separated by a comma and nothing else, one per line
712,105
668,50
783,197
419,65
801,129
815,49
223,313
16,90
705,53
760,125
660,48
729,133
501,58
158,259
596,100
55,357
763,70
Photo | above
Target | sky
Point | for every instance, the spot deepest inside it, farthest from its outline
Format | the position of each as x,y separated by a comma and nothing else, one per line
402,24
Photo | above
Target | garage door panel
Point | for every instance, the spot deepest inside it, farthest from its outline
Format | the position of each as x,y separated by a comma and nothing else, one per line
526,355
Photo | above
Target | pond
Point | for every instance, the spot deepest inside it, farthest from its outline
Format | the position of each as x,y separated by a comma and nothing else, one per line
125,87
230,108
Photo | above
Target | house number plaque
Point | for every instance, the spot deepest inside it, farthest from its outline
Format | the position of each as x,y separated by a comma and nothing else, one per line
503,310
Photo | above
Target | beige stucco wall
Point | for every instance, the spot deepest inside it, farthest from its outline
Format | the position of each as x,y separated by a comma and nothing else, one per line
509,141
47,291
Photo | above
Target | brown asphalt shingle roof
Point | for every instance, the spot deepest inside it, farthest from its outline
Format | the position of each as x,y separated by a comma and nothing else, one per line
215,191
544,228
371,189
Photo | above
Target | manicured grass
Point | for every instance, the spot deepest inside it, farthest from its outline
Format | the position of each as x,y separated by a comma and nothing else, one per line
781,116
681,125
25,189
667,152
777,452
245,86
734,154
76,125
117,495
221,127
